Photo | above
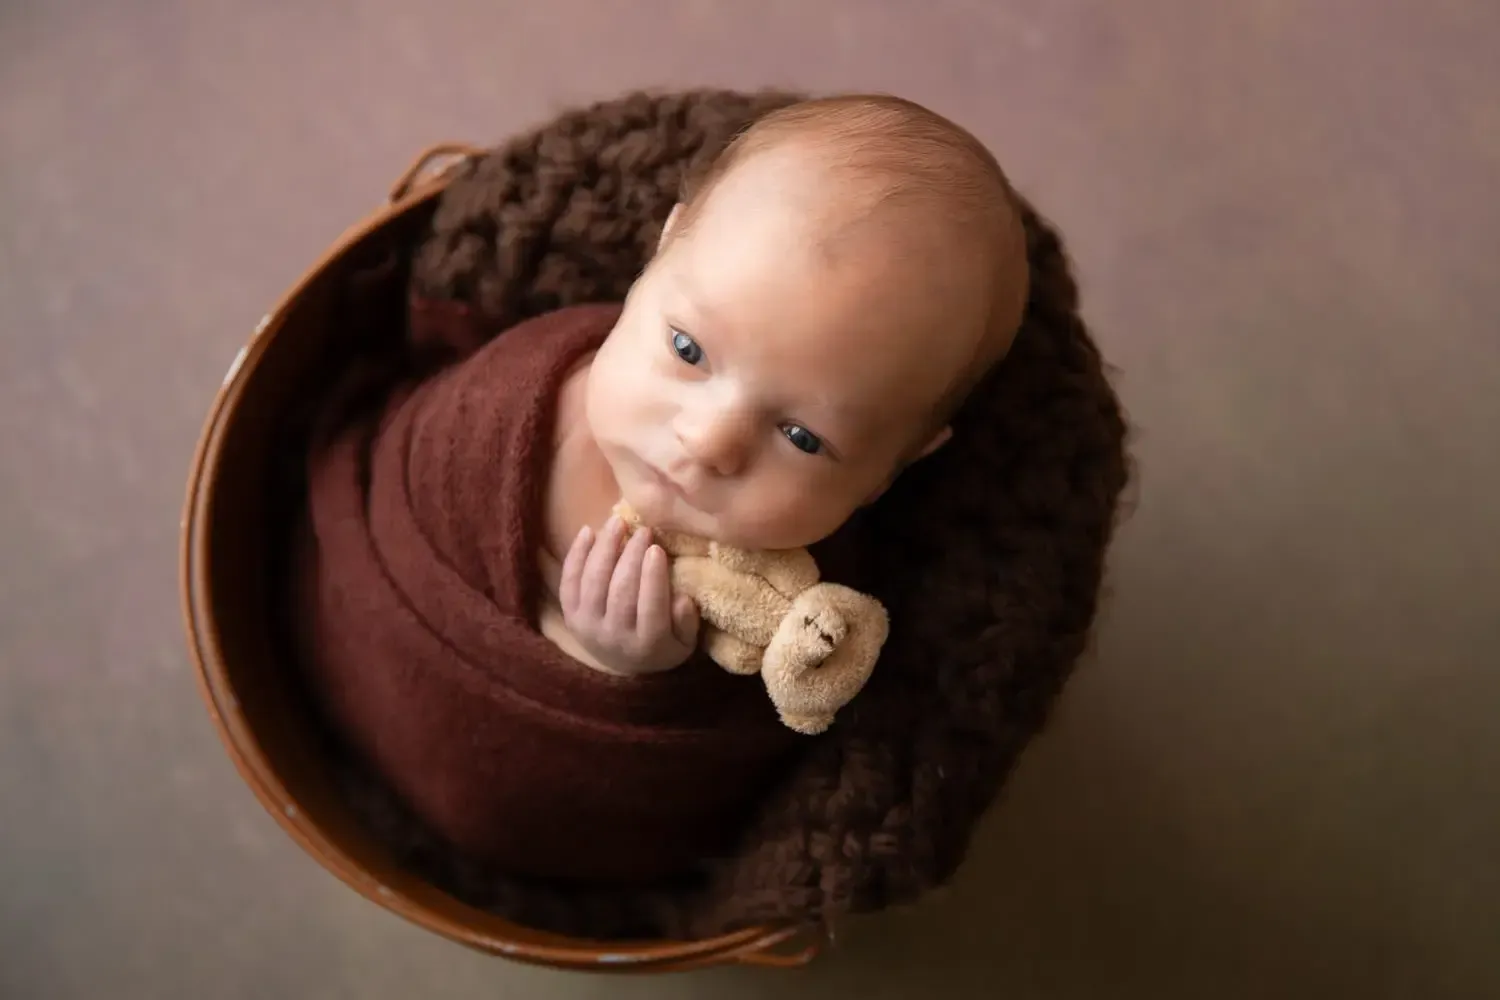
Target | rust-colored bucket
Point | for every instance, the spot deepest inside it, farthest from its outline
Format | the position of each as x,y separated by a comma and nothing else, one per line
245,679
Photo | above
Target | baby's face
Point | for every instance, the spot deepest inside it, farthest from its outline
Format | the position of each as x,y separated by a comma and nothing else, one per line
761,385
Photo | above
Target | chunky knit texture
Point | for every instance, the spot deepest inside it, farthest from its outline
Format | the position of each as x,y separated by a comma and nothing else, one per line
990,554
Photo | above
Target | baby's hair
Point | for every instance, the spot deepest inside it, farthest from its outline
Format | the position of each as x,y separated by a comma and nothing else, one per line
893,155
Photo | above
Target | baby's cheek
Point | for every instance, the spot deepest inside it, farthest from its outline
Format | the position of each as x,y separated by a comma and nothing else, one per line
790,518
833,508
622,387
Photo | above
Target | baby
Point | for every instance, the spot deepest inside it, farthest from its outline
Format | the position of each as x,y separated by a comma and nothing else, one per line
477,628
816,309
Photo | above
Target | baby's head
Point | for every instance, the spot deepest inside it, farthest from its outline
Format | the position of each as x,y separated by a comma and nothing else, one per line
820,304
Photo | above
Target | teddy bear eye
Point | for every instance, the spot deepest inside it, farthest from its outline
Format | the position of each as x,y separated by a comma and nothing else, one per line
686,348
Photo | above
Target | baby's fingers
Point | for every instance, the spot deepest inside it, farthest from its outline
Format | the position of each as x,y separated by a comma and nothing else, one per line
685,621
625,585
654,609
569,584
598,569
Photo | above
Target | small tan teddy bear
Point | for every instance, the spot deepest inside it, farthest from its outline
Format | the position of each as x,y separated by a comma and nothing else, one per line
813,643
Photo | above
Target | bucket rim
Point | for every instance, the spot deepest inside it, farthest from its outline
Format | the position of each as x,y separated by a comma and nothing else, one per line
752,945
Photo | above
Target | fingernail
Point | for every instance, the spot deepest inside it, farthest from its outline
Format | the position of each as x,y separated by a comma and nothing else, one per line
583,533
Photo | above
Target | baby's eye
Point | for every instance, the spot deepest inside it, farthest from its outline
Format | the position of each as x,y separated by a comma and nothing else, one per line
686,348
803,439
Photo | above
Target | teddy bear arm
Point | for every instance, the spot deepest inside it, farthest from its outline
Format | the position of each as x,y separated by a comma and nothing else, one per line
744,606
788,571
733,654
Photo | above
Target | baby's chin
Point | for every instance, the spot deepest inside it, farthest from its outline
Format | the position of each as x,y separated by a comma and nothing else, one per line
660,508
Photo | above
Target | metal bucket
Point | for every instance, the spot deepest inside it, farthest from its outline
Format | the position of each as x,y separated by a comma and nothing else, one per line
246,679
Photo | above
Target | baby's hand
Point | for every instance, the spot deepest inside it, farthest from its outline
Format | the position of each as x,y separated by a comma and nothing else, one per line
618,602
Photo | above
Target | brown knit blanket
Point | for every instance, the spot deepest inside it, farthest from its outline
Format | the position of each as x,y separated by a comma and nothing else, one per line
990,561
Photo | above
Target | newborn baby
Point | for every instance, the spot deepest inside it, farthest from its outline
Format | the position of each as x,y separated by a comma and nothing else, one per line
479,630
815,311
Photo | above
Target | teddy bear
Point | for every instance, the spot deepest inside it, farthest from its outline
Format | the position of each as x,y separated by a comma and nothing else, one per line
813,642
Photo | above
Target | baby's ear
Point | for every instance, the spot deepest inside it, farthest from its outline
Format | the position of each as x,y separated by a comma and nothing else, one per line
939,439
671,224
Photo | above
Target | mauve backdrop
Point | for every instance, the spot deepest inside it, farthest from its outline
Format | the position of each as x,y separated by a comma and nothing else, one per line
1277,775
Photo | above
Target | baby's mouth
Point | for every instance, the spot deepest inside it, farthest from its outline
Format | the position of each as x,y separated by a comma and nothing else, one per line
675,487
664,481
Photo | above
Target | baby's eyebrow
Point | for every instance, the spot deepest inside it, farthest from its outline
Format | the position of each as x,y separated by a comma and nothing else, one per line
687,293
848,409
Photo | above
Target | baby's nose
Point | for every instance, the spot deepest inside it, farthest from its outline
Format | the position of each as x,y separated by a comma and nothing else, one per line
720,439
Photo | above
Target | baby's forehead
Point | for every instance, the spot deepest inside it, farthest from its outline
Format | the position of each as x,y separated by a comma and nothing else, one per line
827,195
872,218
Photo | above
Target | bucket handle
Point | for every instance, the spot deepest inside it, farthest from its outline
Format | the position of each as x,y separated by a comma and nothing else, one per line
769,953
432,163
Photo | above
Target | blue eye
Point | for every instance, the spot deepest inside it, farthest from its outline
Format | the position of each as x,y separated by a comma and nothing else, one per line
686,348
803,439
